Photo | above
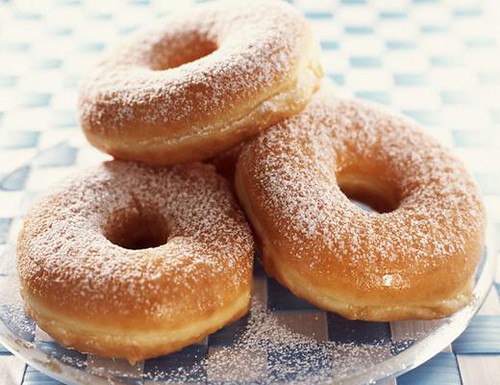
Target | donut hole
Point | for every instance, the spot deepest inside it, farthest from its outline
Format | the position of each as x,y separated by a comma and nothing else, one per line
369,193
175,52
136,229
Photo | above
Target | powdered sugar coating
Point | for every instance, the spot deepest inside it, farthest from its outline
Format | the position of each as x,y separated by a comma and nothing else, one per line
288,177
65,259
199,72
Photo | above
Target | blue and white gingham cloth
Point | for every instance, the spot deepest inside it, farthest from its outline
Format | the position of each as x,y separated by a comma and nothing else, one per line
436,61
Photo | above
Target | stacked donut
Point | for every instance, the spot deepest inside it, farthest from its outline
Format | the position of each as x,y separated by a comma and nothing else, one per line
150,252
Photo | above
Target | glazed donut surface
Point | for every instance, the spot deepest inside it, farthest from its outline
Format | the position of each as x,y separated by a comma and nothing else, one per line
135,262
194,85
415,258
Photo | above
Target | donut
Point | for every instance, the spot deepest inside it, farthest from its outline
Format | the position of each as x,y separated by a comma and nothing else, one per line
197,84
133,262
413,257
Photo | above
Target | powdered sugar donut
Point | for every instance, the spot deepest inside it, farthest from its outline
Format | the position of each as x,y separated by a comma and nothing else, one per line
199,83
415,258
135,262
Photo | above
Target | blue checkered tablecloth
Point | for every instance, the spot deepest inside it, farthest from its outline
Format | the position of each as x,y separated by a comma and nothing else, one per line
436,61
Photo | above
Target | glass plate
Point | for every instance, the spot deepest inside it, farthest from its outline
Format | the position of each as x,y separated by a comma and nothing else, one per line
283,339
265,347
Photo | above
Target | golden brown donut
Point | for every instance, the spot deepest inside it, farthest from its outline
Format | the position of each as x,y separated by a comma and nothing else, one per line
197,84
416,258
135,262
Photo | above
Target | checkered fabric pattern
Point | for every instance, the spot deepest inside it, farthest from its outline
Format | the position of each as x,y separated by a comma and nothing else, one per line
436,61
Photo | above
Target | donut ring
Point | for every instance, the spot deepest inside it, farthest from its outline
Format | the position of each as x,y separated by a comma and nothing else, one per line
193,86
91,280
415,259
